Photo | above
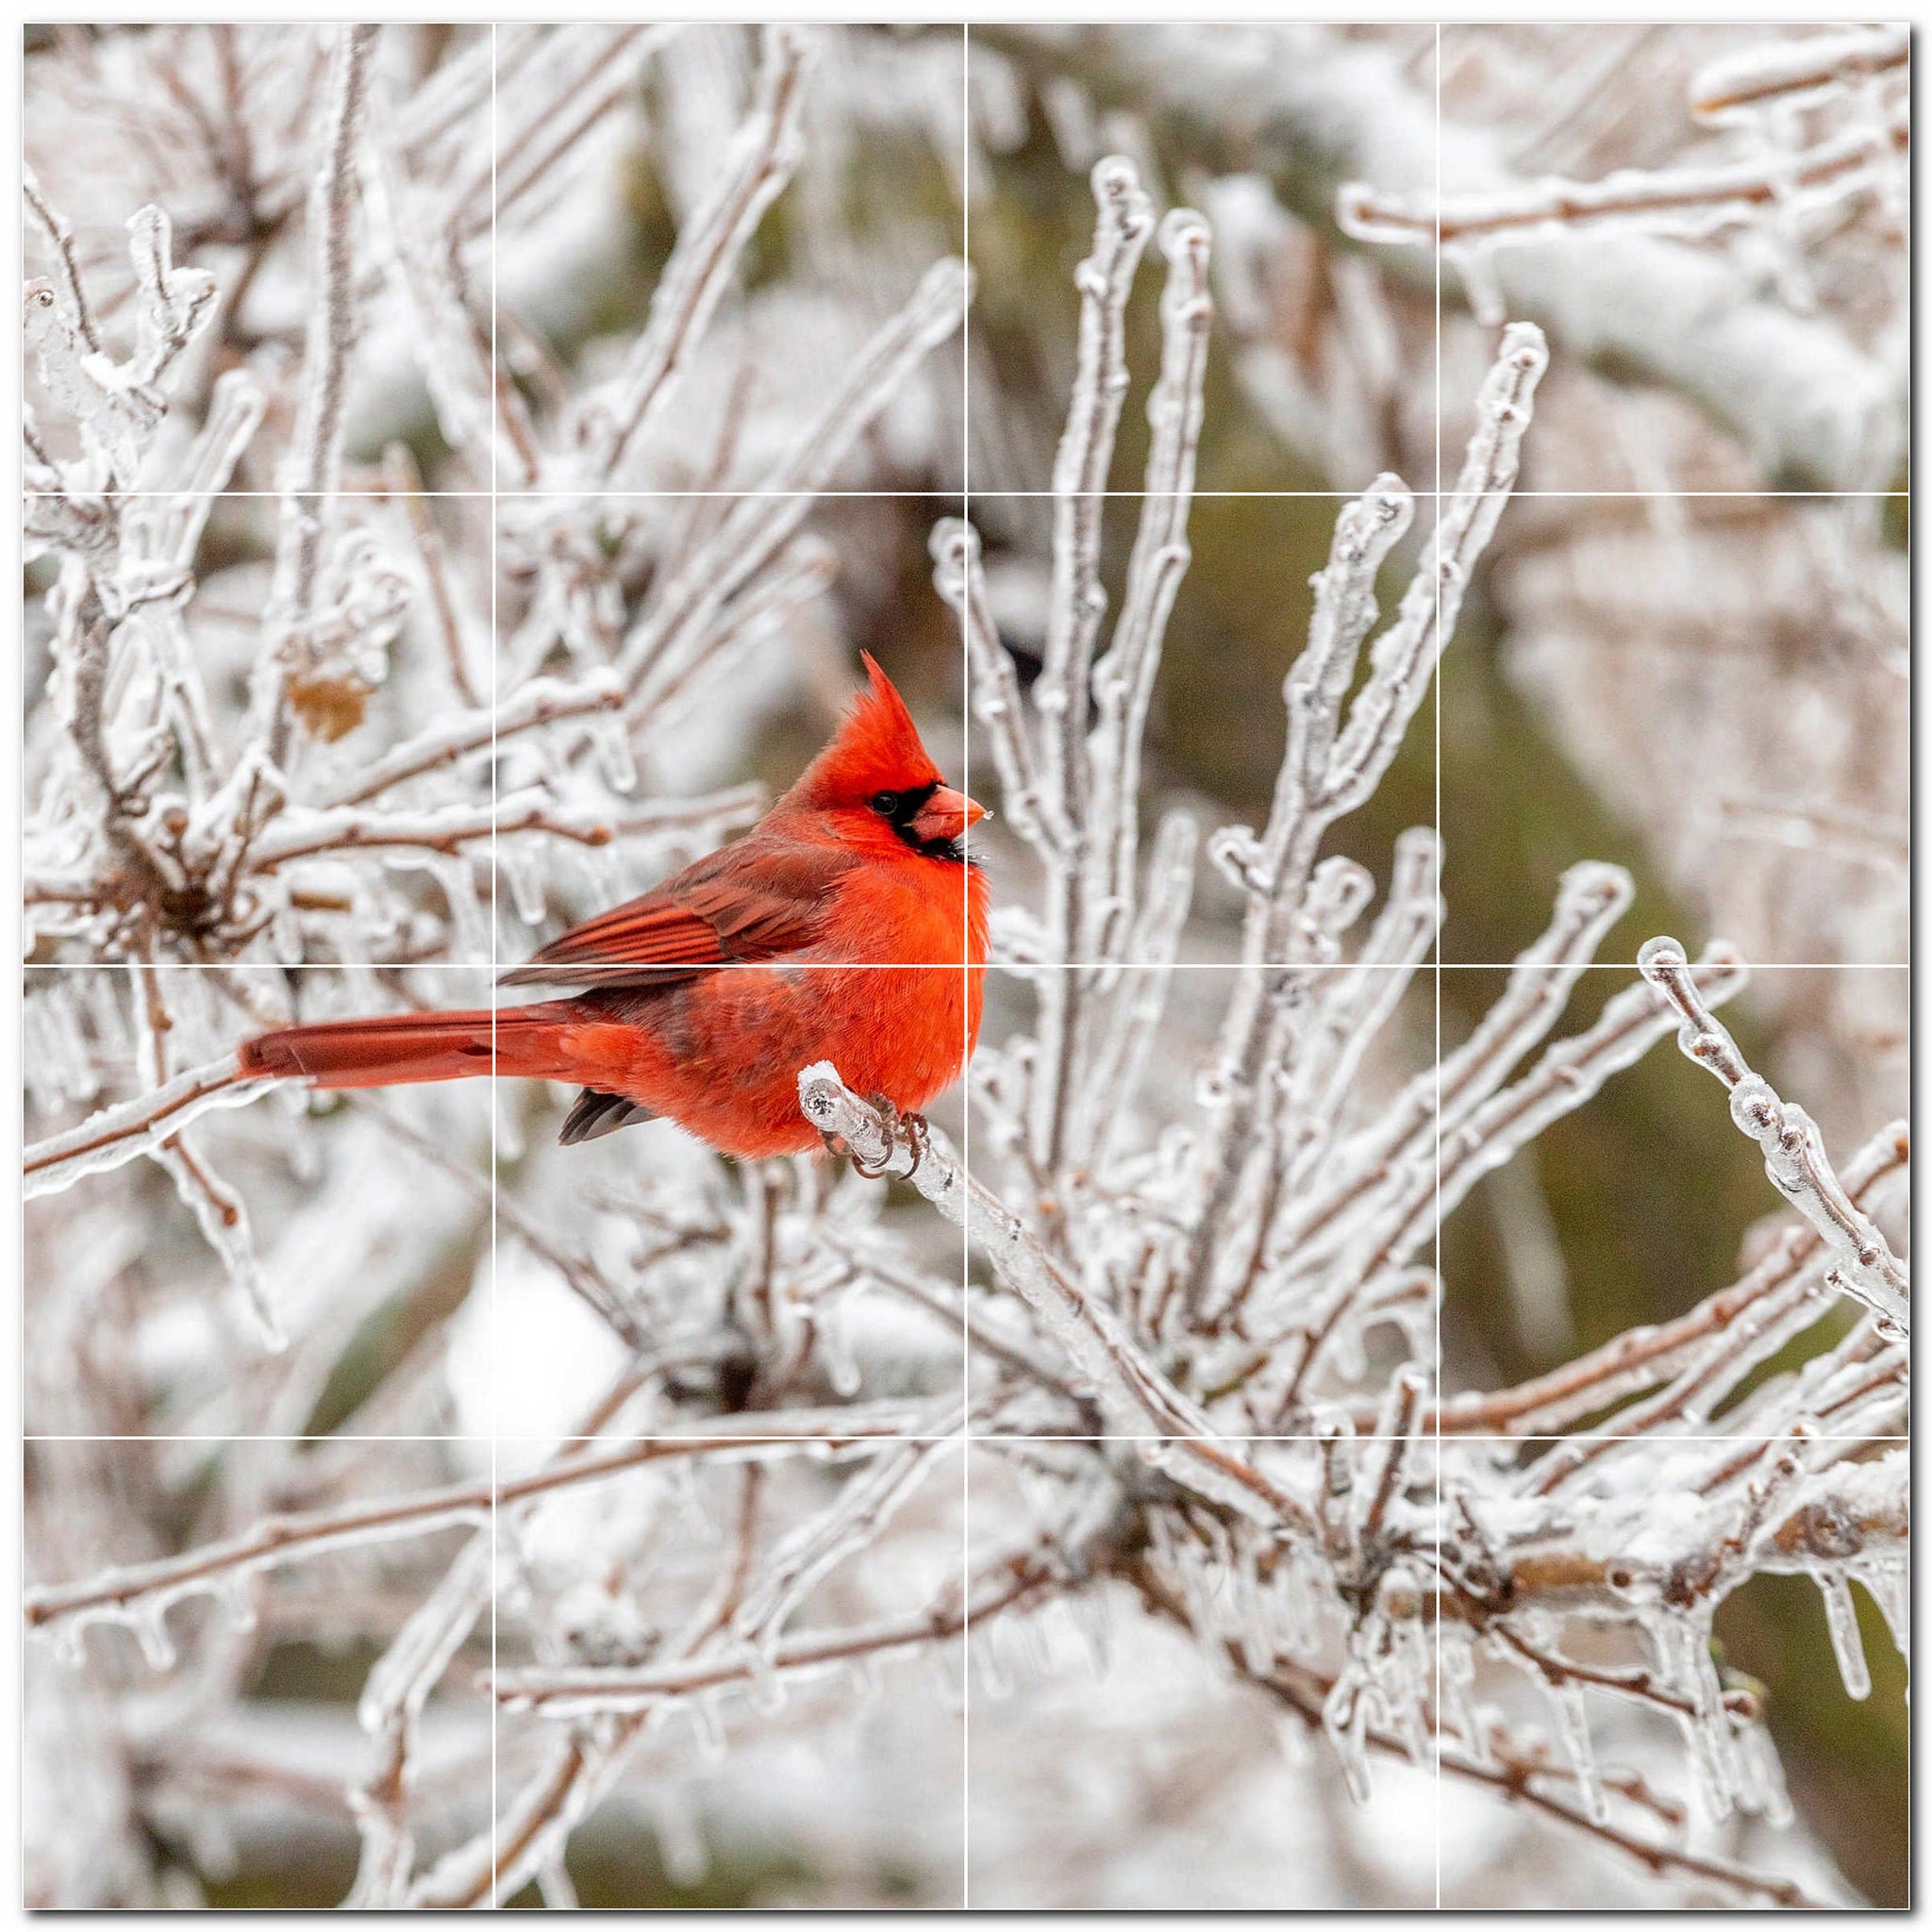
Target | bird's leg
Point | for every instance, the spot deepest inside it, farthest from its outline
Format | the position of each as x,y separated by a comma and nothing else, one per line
912,1125
892,1114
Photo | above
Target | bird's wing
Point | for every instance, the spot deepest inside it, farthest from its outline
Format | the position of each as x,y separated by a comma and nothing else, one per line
756,900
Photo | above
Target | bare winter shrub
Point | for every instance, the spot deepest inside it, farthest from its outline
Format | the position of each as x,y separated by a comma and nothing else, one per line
314,739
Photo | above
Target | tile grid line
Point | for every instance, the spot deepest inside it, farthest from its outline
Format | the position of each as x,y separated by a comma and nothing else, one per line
1712,1436
1764,496
473,966
496,942
1436,1233
966,988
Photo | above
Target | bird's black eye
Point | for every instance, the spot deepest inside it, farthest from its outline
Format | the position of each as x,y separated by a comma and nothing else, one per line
884,803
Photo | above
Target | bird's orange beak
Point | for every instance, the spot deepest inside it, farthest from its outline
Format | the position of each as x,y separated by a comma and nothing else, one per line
946,814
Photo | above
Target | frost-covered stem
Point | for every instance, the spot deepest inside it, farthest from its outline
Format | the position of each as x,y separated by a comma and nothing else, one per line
1752,1336
766,152
1076,601
864,1505
316,457
404,1677
275,1540
959,577
498,1864
306,834
1417,1196
1777,70
1125,1029
1403,658
83,652
575,1269
553,123
117,1135
1063,694
1135,1394
1590,899
679,626
404,482
1815,407
217,1210
1316,687
1569,1074
1361,1002
541,702
1396,1432
1514,1773
1402,661
1794,1157
392,1703
1124,680
1641,1356
804,568
1705,194
1514,1779
1020,1581
947,1301
59,236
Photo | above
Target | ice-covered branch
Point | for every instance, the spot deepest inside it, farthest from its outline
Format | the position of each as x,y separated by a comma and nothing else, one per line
1794,1155
1815,407
708,251
1133,1393
1781,69
678,627
1693,200
123,1133
315,462
114,1594
569,1694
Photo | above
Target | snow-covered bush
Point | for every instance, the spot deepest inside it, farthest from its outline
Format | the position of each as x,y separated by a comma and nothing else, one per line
624,1491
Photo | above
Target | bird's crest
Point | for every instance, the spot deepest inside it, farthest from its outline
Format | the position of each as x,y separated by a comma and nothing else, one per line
876,749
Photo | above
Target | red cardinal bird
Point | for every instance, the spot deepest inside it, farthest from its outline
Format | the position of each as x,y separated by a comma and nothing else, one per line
846,926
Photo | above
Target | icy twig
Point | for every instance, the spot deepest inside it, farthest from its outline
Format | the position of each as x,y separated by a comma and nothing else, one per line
1698,198
1019,1582
1122,681
1568,1073
1641,1356
1794,1157
404,482
120,1134
1330,767
1514,1774
541,703
679,626
766,152
315,462
277,1540
1130,1386
1105,280
60,234
1780,70
448,829
997,703
392,1704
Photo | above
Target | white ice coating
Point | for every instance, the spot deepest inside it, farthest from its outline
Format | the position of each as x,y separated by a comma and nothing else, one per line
1223,1267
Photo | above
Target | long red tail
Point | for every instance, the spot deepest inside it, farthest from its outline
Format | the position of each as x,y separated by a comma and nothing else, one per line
397,1050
